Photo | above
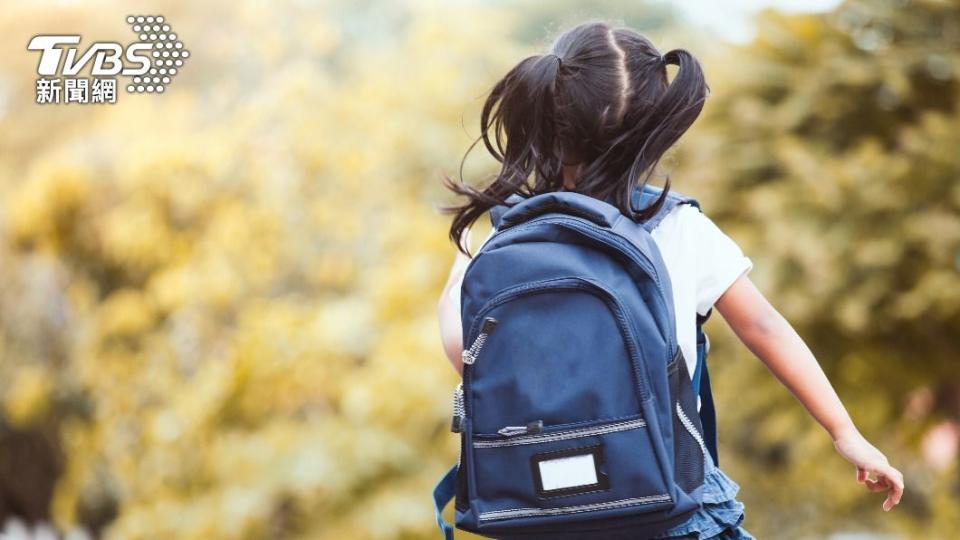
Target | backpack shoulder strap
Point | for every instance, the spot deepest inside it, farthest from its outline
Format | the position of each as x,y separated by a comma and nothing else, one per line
701,383
443,493
646,195
496,213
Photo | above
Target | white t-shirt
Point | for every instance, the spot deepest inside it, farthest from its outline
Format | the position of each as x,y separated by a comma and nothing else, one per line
702,262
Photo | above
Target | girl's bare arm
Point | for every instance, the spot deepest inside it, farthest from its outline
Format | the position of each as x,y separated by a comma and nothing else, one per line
448,313
769,336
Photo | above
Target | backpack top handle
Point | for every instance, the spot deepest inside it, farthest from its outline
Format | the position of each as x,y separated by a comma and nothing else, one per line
562,202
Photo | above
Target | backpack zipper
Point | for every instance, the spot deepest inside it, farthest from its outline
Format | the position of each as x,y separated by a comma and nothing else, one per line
691,428
469,356
531,428
553,435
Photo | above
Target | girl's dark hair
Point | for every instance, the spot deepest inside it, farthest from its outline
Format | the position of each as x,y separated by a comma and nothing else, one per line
599,97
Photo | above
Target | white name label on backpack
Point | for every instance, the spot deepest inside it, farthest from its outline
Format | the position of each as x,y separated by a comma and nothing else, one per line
568,472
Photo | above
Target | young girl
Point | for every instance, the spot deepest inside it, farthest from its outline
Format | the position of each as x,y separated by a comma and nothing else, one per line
595,115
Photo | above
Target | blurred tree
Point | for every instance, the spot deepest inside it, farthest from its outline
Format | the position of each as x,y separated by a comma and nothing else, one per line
829,150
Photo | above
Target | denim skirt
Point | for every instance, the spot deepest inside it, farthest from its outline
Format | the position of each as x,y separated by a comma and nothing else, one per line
721,514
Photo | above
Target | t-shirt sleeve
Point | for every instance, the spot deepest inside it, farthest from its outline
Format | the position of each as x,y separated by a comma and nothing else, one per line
720,261
459,265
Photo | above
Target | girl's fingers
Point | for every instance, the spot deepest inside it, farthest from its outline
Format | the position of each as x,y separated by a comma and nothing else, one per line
876,485
889,502
896,490
892,480
888,479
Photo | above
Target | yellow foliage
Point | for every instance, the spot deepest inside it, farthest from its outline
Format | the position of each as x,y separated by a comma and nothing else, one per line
27,398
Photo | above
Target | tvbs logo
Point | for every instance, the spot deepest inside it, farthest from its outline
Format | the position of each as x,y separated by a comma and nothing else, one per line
150,63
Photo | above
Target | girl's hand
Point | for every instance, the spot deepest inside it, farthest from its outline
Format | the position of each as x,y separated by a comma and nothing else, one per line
857,450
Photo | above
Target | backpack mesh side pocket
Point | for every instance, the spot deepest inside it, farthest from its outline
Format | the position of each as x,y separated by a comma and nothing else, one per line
689,448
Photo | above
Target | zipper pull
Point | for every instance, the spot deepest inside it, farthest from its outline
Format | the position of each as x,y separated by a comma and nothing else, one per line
532,428
469,356
456,425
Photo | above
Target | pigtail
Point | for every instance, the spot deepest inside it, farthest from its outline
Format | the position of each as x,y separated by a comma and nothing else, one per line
655,129
518,129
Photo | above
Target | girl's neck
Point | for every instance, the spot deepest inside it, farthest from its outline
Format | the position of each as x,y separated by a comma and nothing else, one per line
570,175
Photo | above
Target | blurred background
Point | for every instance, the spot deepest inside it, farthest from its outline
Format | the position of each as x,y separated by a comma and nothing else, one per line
218,305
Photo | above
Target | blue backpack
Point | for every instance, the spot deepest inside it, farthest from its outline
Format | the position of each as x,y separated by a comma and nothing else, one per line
576,414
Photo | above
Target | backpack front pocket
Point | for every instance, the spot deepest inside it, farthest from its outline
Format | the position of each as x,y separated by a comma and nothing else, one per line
560,351
601,469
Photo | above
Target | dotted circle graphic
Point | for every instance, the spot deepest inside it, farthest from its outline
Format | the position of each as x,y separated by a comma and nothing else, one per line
166,51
